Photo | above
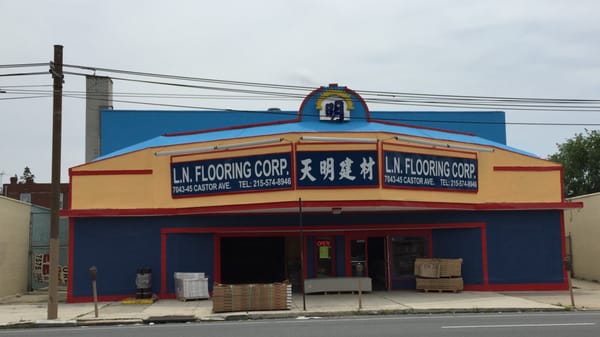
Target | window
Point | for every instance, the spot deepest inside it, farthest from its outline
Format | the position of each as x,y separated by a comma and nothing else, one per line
405,249
25,197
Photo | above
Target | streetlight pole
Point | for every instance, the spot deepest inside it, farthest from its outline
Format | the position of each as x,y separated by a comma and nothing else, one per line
56,68
301,254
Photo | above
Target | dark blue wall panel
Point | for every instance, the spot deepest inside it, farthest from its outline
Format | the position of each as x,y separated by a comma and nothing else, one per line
190,253
464,243
523,247
117,247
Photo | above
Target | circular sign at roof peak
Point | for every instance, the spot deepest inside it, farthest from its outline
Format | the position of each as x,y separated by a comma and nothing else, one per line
334,104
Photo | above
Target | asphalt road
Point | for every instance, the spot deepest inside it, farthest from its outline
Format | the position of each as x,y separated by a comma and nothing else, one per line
573,324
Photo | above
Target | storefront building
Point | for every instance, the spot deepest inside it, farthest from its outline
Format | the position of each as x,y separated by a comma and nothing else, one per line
317,196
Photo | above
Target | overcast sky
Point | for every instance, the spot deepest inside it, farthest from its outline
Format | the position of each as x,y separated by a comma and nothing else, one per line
521,48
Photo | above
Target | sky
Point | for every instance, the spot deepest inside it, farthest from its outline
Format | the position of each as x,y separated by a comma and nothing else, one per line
521,48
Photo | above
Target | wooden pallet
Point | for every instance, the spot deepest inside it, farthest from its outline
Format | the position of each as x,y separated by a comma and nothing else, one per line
441,290
453,284
185,299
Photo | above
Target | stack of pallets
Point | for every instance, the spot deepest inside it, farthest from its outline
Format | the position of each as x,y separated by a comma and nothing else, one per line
252,297
438,274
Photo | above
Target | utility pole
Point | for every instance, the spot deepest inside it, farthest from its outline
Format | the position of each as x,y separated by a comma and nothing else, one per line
56,68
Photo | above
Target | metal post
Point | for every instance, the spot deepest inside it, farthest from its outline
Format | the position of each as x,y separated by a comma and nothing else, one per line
567,264
301,255
93,273
359,272
56,68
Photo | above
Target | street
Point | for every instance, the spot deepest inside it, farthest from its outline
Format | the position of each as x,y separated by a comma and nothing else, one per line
574,324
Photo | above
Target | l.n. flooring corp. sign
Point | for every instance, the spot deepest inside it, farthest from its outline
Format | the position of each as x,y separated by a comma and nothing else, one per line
429,171
240,174
323,169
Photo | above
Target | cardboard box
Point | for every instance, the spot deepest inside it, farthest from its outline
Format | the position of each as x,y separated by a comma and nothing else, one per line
428,268
450,267
436,268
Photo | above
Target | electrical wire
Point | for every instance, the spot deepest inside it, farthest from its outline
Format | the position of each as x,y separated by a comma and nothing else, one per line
24,65
187,78
288,92
295,114
24,74
361,92
410,102
26,97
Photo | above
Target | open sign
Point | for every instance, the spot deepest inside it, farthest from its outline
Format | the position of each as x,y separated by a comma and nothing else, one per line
323,243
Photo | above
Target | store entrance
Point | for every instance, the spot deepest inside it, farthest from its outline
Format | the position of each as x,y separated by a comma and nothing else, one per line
376,262
252,260
368,258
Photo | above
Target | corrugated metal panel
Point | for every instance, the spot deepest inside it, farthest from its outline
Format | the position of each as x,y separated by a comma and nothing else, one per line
40,248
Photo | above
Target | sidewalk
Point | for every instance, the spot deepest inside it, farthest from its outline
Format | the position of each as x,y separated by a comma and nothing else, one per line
31,310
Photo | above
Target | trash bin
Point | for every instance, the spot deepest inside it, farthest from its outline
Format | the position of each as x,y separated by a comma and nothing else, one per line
143,283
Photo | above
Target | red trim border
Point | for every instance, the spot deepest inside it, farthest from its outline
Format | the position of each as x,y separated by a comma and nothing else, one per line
527,168
111,172
365,206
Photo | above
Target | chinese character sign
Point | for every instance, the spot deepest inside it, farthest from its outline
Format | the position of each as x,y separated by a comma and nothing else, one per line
337,168
335,110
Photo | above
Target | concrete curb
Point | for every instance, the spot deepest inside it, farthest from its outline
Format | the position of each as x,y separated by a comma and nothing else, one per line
243,316
109,321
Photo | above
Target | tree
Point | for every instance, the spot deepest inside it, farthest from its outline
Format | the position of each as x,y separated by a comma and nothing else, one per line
27,177
580,158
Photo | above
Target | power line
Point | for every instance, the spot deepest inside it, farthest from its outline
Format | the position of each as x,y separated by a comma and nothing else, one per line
410,102
376,97
26,97
27,86
24,74
248,91
471,97
187,78
24,65
383,97
391,94
295,113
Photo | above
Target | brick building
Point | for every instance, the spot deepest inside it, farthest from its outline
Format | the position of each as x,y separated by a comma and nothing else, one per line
34,193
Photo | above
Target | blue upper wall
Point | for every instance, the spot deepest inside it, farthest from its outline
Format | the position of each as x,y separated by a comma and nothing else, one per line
326,109
122,128
485,124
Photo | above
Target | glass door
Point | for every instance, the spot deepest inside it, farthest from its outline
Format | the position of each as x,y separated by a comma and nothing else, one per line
324,255
358,257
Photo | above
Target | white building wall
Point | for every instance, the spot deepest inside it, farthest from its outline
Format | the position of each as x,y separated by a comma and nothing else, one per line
14,246
584,227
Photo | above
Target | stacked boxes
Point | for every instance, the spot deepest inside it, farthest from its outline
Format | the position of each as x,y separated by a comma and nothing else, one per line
438,274
191,286
251,297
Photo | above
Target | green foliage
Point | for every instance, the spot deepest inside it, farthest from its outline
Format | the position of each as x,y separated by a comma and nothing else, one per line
27,176
580,158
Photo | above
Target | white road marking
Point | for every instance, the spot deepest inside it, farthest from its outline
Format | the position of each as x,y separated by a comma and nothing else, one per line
514,325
